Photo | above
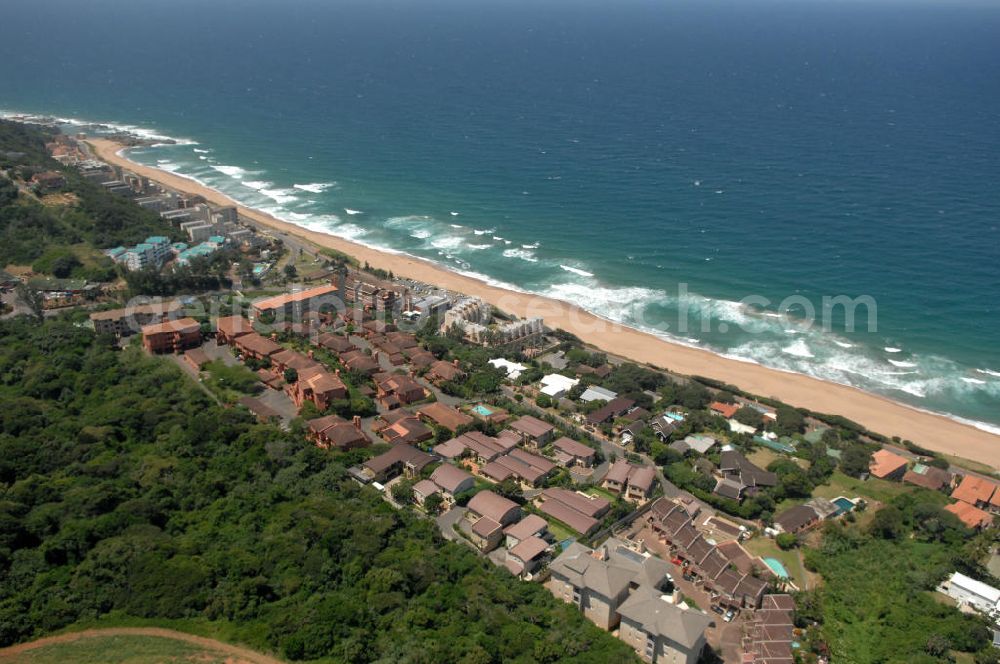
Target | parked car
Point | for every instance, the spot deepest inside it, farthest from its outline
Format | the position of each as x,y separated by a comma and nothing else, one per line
730,614
717,609
688,577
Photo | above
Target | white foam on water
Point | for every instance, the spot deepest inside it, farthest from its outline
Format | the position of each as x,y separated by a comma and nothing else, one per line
352,212
199,150
280,196
989,372
421,234
890,349
456,225
498,238
315,187
203,157
530,246
523,254
232,171
257,185
973,381
478,247
902,365
454,214
484,231
576,270
798,348
843,344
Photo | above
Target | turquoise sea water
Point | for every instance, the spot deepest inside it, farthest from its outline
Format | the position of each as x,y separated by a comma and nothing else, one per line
636,158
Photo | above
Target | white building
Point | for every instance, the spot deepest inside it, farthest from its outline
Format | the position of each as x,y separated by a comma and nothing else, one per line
513,369
978,595
557,385
594,393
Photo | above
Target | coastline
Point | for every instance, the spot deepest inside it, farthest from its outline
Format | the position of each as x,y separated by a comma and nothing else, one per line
880,414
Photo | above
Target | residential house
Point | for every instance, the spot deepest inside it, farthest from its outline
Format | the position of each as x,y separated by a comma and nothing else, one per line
337,433
401,459
599,581
423,490
972,593
533,431
887,466
796,518
443,372
557,385
696,442
614,408
319,386
260,410
171,336
975,491
726,410
971,516
597,393
513,369
616,479
640,483
290,359
769,633
484,448
399,389
494,506
253,345
229,328
486,534
444,416
360,362
528,468
335,343
741,474
530,526
526,556
452,481
400,426
661,629
569,452
928,477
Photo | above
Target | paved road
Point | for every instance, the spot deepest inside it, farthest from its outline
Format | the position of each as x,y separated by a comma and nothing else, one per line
447,521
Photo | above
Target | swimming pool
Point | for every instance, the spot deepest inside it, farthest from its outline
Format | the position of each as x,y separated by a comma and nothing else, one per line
844,505
482,410
777,567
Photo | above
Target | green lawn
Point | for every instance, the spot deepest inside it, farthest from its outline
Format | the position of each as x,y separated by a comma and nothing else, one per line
603,493
766,548
840,484
229,383
119,650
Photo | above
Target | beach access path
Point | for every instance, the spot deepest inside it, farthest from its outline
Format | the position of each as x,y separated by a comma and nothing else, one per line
877,413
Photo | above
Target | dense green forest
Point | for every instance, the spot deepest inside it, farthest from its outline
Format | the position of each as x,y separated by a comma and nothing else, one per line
125,490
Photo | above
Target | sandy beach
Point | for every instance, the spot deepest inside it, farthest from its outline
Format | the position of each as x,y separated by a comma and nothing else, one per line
879,414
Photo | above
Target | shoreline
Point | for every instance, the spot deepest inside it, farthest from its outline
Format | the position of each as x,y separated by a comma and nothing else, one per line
877,413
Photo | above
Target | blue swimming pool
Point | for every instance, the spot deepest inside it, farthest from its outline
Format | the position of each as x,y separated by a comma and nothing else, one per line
777,567
480,409
844,505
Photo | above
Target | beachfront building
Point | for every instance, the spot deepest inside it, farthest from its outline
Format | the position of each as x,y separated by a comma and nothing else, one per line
476,320
148,254
293,307
557,385
513,369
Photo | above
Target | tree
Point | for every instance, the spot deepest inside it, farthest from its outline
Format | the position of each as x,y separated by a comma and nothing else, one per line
510,489
789,421
402,492
786,541
887,523
433,502
32,299
749,416
64,265
291,375
543,400
855,460
290,271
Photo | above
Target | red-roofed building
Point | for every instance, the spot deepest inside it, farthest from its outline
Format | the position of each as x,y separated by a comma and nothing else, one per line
972,517
171,336
727,410
229,328
294,306
318,385
887,466
975,491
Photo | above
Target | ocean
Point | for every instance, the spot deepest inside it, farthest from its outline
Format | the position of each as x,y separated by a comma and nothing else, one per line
637,158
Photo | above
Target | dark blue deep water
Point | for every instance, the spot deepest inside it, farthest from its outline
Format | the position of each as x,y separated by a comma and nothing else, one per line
599,152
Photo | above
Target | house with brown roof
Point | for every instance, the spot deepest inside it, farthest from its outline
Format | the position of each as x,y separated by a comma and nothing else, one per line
171,336
530,526
335,343
662,631
260,410
292,359
569,452
740,476
319,386
420,358
532,430
887,466
228,328
359,362
975,491
255,346
528,468
616,479
442,372
400,426
641,480
423,490
524,558
336,433
486,534
444,416
795,519
492,505
295,306
196,358
769,633
928,477
614,408
399,389
971,516
452,481
401,459
484,448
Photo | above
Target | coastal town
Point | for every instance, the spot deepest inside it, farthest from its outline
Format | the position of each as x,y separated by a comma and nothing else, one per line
673,512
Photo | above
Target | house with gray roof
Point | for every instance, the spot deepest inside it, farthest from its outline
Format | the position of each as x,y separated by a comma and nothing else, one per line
660,630
598,581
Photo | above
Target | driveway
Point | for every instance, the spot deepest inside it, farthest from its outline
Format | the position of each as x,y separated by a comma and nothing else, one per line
447,521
